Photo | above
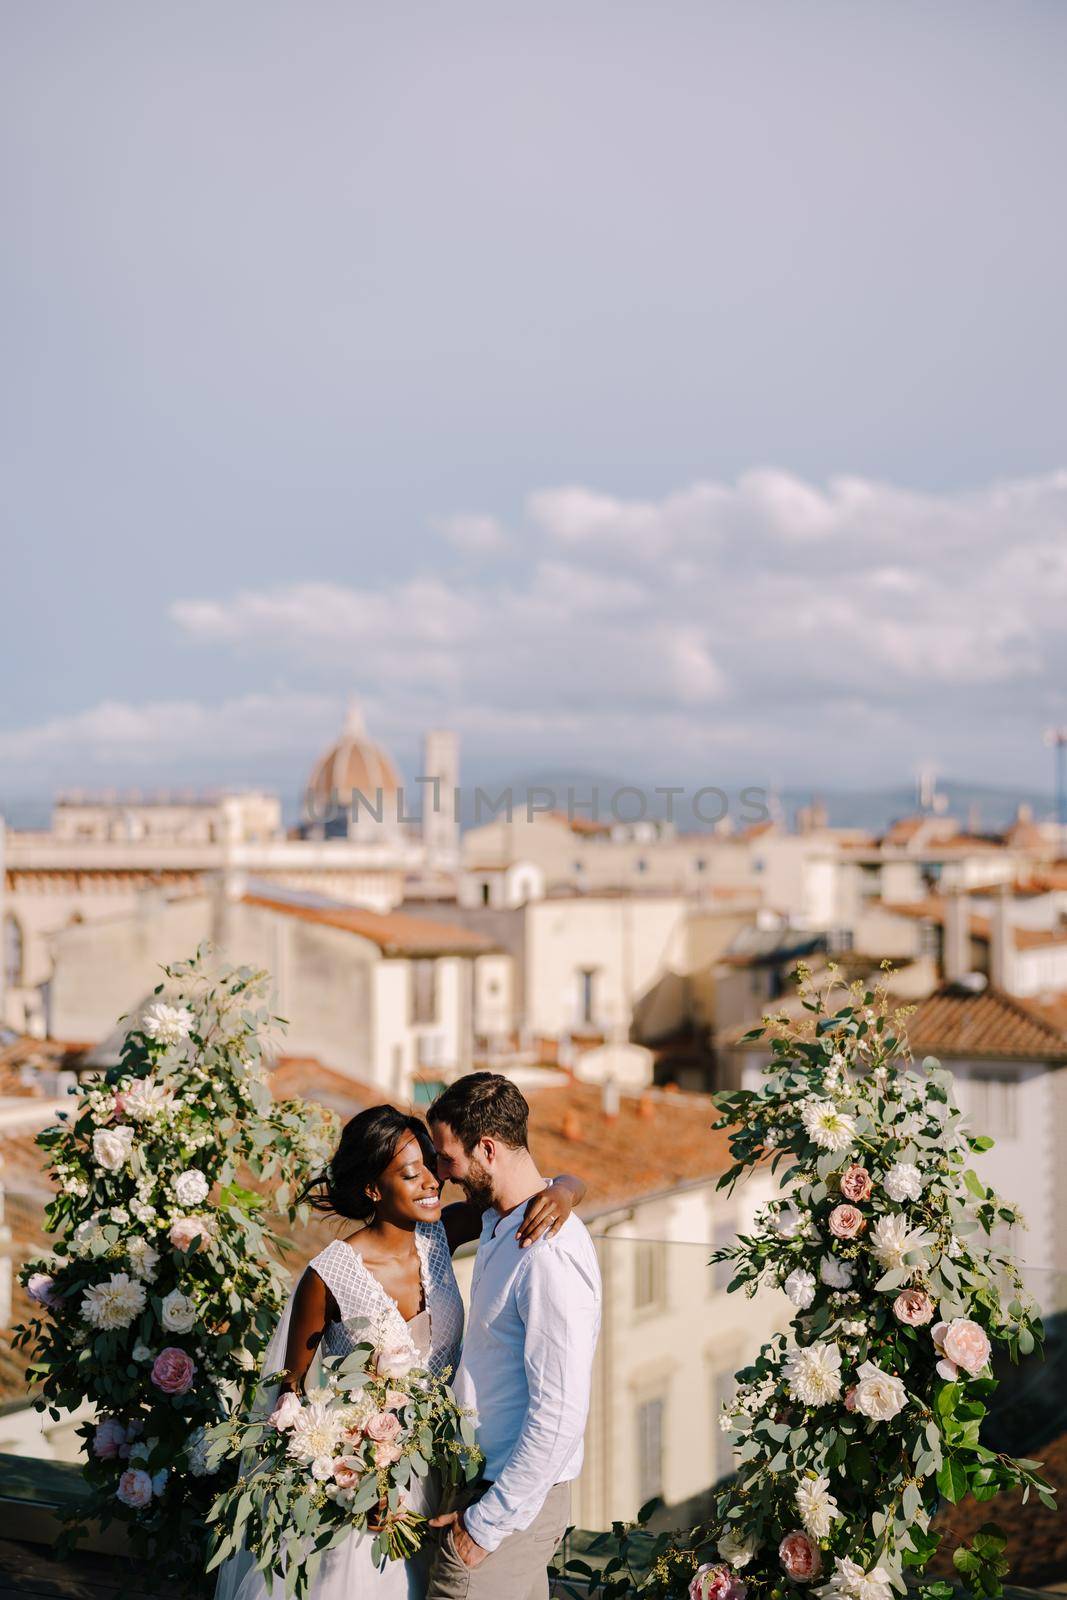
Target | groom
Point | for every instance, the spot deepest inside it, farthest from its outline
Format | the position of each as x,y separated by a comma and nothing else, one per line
527,1358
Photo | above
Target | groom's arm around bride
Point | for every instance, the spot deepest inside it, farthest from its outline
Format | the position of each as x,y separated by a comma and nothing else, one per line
527,1358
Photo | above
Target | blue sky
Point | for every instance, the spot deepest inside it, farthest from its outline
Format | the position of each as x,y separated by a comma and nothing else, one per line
672,389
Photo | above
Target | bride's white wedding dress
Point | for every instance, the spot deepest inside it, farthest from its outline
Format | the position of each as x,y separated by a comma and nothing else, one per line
348,1572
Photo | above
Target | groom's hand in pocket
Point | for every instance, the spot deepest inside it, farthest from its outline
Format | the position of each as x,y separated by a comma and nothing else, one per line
469,1552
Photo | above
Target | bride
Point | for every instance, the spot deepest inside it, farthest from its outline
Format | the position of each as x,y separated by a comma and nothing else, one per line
396,1271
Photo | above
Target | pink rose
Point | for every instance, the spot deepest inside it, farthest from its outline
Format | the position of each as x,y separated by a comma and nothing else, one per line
41,1290
135,1489
285,1412
108,1439
187,1230
716,1583
346,1472
856,1183
846,1222
383,1427
173,1371
396,1360
385,1453
800,1557
850,1398
396,1399
120,1105
913,1307
962,1346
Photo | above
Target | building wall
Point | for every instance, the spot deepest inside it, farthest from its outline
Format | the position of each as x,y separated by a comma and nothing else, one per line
629,943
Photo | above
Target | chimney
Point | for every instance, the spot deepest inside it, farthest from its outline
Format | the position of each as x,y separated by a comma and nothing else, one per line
956,937
610,1100
1002,942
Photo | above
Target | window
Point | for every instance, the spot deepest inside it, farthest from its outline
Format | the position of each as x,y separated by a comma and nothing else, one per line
725,1234
426,1090
930,938
587,994
650,1449
641,865
485,893
700,865
650,1285
13,951
423,991
993,1104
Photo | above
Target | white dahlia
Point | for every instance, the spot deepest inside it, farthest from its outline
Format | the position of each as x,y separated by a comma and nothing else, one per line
893,1238
143,1259
813,1373
146,1099
167,1024
114,1304
851,1582
827,1127
316,1432
817,1506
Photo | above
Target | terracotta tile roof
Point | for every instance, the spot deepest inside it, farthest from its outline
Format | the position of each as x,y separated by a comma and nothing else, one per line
25,1061
1037,1538
102,877
394,932
934,909
957,1022
586,826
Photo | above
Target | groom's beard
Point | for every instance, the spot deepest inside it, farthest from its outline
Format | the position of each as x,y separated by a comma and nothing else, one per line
477,1185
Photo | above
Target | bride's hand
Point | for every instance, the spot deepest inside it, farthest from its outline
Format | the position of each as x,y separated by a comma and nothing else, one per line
548,1211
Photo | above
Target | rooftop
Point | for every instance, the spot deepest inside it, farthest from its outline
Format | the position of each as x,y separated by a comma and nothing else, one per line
394,932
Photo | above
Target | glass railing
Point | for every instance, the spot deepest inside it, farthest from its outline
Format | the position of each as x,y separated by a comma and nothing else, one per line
671,1340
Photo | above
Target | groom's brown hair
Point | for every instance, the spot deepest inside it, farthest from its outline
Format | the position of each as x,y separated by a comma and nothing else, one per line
484,1105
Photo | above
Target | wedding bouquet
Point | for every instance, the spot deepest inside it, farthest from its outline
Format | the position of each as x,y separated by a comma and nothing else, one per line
341,1460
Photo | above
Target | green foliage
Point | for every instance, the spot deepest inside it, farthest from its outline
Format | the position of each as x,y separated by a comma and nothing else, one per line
146,1167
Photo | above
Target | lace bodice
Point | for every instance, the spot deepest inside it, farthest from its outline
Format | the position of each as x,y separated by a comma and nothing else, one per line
359,1294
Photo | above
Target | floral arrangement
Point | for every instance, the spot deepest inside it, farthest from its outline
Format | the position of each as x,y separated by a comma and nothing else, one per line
338,1461
851,1429
160,1293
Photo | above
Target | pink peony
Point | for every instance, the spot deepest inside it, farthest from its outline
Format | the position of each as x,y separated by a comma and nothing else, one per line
346,1472
716,1583
850,1398
846,1222
395,1360
120,1105
800,1557
385,1453
108,1439
135,1489
286,1411
187,1230
962,1346
913,1307
856,1183
173,1371
383,1427
41,1290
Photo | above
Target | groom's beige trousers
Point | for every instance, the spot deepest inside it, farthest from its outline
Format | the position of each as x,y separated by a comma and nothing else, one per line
516,1570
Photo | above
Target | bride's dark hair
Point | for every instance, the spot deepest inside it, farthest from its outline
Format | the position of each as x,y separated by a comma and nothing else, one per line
368,1143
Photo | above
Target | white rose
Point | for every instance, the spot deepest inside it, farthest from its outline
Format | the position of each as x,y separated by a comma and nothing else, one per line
835,1273
878,1395
178,1312
800,1287
788,1221
737,1549
322,1469
111,1147
190,1187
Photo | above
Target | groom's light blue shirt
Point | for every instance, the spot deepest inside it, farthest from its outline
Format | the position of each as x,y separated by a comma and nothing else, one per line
527,1366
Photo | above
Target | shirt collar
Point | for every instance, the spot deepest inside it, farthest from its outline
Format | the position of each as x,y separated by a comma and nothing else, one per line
497,1225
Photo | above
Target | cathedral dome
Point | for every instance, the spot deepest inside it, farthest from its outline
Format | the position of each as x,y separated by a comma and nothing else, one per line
353,763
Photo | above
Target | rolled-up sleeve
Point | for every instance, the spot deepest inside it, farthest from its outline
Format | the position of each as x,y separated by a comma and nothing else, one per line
559,1306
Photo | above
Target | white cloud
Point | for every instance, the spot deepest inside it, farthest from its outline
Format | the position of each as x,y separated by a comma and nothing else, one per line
474,534
770,618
